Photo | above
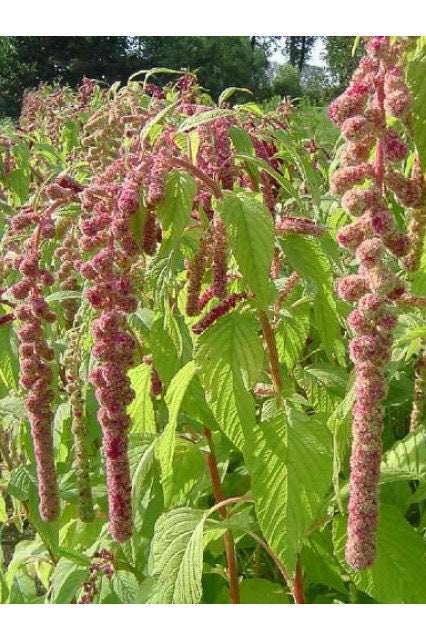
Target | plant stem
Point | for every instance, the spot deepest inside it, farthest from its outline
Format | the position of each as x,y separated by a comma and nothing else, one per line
5,452
191,168
228,538
298,591
271,347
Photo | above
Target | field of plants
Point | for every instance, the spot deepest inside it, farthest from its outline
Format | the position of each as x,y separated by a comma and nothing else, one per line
213,342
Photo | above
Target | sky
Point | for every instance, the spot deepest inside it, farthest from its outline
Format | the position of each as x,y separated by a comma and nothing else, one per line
315,58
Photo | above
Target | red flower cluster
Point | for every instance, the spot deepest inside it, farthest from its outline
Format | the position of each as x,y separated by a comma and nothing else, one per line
377,89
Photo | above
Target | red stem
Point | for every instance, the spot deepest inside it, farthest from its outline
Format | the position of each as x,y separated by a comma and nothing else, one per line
379,162
298,592
228,538
6,318
191,168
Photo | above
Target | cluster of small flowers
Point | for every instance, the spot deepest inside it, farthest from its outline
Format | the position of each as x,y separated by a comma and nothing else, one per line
298,226
289,285
36,373
156,384
219,257
112,293
195,275
67,275
71,362
105,566
377,89
266,151
214,314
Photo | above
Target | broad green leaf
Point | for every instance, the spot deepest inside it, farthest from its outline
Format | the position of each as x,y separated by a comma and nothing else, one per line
8,357
67,580
175,210
3,512
14,406
406,460
340,423
307,257
227,93
398,575
324,387
261,591
140,473
23,590
141,410
284,183
251,236
165,445
126,586
291,334
176,560
174,213
417,84
290,461
189,474
204,118
229,356
244,144
320,566
19,181
167,345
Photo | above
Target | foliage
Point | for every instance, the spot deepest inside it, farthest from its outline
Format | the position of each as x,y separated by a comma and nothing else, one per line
286,81
170,333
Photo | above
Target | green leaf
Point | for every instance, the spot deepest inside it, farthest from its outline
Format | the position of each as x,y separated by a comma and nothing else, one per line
175,210
307,257
417,84
204,117
229,356
167,345
285,184
189,474
58,296
317,558
291,334
244,144
145,462
19,181
324,387
261,591
227,93
251,237
126,586
290,461
3,512
406,460
165,445
8,357
141,410
11,405
66,581
176,560
175,214
398,575
23,589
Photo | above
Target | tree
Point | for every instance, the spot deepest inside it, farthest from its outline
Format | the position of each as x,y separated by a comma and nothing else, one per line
339,58
26,61
222,61
287,81
299,48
